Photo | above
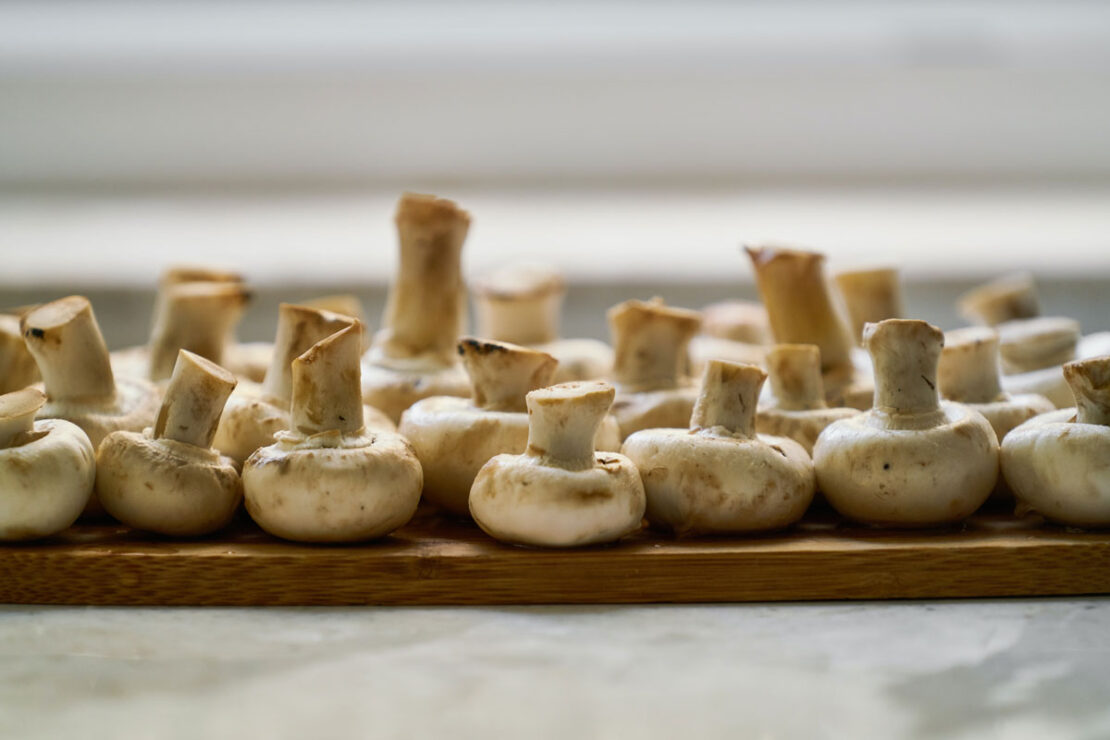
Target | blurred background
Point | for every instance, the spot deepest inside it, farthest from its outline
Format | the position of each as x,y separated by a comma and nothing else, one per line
634,144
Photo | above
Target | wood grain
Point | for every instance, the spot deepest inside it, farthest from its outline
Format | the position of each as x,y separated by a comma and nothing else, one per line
437,561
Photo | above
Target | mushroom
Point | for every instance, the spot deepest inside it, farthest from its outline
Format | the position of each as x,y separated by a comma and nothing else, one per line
801,310
413,356
1058,464
255,413
329,479
1008,298
653,389
798,410
731,330
47,469
1033,352
17,366
168,479
560,492
912,460
720,476
871,296
521,304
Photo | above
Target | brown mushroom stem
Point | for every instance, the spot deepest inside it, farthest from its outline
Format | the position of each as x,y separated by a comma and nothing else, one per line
905,353
1090,383
426,301
799,305
66,342
871,296
563,421
299,328
327,385
649,344
1007,298
17,366
728,398
520,304
194,400
795,373
968,371
198,317
17,414
502,374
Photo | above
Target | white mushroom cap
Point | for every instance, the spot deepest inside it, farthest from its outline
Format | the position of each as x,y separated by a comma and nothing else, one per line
169,480
1007,298
798,410
871,296
329,479
650,342
46,469
912,460
740,321
1058,464
720,476
560,493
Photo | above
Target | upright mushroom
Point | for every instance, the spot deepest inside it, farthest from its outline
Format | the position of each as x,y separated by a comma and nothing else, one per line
1008,298
871,296
1058,464
17,366
329,479
650,341
797,409
47,469
719,476
169,479
560,492
912,460
1033,352
413,356
521,304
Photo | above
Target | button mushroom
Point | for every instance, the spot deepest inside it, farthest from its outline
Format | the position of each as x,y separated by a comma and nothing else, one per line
1008,298
1033,352
1058,464
912,460
650,341
719,476
413,356
17,366
870,296
329,479
798,409
731,330
168,479
521,304
560,492
47,469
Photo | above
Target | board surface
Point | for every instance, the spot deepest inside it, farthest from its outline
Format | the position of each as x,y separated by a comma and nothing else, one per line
437,561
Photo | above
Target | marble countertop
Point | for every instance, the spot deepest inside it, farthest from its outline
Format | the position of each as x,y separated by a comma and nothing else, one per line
971,669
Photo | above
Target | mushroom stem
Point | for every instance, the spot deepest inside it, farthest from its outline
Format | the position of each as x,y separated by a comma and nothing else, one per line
1005,299
728,398
327,385
871,296
563,421
299,328
66,342
17,366
968,371
1090,383
17,414
502,374
905,353
649,343
799,306
795,372
520,304
194,400
426,301
198,317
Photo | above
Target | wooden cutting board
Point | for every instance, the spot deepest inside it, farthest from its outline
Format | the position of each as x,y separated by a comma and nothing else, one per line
437,561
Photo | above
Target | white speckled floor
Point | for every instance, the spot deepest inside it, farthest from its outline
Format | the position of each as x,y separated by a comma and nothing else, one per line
986,669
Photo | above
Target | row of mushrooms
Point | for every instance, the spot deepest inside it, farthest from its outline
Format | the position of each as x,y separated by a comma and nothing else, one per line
329,435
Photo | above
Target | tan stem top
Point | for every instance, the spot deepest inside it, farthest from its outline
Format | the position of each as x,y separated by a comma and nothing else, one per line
422,316
1090,384
968,371
1008,298
198,317
502,374
800,308
17,414
520,304
795,371
649,343
905,353
66,342
563,421
327,385
194,401
299,327
728,398
871,296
